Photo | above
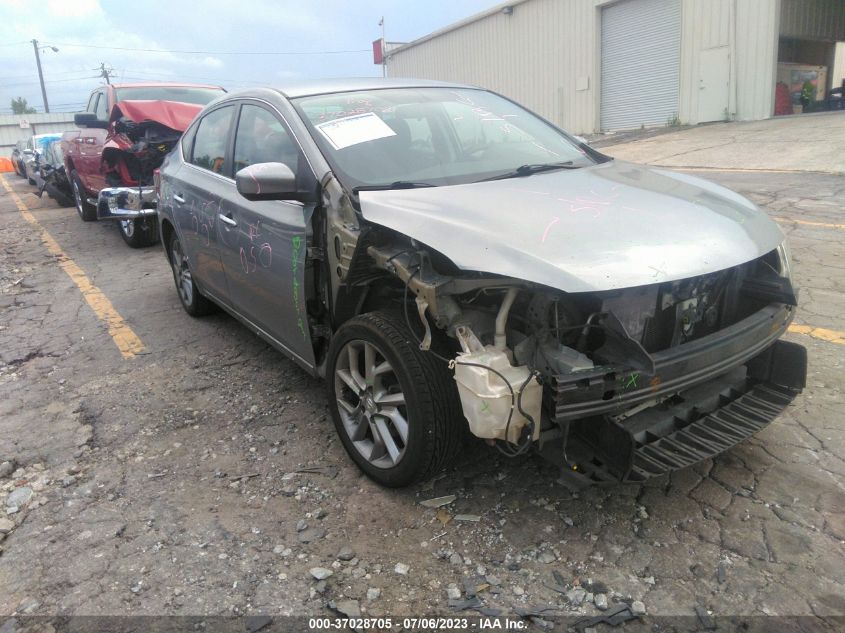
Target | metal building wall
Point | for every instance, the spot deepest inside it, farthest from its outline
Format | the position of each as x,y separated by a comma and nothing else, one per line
757,23
813,19
11,131
546,56
705,24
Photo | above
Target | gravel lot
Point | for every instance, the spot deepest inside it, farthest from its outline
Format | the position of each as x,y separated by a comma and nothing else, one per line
203,476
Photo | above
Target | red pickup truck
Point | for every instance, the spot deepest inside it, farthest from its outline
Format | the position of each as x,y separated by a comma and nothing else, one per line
124,135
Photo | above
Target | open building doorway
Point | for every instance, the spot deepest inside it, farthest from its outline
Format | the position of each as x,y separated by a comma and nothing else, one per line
811,57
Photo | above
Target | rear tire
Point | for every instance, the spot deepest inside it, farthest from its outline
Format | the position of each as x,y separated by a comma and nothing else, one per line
87,211
189,296
381,385
138,233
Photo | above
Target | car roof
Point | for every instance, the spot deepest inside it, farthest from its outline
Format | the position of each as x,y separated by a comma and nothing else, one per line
163,84
326,86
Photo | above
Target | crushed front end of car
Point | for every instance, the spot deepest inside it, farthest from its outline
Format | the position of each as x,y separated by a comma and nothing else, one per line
141,134
626,327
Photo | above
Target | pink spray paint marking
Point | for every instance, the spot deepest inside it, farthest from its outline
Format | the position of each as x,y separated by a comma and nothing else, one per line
554,221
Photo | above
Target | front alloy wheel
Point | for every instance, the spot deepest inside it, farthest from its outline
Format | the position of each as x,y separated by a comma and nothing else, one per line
394,406
371,404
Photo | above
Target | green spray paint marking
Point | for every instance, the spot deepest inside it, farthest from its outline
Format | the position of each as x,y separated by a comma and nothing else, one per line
296,243
632,381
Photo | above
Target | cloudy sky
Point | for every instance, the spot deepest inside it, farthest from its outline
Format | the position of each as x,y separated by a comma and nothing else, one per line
225,35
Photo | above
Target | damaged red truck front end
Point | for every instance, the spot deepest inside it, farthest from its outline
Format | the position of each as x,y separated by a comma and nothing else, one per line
125,134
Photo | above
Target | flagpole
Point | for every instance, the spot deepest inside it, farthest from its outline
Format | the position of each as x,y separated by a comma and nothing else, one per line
383,49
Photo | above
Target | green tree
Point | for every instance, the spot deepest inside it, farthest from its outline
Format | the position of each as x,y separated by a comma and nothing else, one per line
20,106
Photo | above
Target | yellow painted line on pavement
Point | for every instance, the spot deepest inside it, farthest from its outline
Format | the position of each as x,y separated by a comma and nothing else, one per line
830,336
126,340
808,223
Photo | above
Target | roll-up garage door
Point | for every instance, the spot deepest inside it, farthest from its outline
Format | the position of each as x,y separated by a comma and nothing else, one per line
640,63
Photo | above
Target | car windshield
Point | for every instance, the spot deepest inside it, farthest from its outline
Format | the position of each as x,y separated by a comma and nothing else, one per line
409,137
183,94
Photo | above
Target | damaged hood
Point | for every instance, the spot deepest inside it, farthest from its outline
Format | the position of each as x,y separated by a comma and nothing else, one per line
613,225
172,114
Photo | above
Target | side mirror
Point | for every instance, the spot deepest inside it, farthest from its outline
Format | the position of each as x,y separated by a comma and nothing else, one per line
267,181
581,139
89,119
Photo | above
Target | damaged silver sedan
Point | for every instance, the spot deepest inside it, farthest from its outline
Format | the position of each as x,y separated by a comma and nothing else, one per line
455,265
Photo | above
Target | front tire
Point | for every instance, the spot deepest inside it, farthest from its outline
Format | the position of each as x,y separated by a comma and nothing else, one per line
194,303
137,233
394,406
87,211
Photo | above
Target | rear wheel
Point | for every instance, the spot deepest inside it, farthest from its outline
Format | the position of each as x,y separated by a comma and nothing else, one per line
193,302
395,407
137,233
86,210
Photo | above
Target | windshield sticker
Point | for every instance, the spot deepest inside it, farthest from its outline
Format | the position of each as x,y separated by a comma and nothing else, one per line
354,130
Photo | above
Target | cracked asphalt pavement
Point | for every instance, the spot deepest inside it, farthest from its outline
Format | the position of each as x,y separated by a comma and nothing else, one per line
203,475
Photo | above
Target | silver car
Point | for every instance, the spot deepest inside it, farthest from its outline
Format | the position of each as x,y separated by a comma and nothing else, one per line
455,266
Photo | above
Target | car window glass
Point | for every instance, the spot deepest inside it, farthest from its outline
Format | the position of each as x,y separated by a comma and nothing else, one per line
210,141
102,108
438,136
92,102
261,138
187,142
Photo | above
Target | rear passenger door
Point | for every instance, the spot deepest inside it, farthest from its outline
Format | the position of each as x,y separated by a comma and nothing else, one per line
200,189
263,243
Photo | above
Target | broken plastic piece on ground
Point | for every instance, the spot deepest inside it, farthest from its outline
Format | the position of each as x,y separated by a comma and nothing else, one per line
527,612
706,620
329,471
437,502
614,616
463,605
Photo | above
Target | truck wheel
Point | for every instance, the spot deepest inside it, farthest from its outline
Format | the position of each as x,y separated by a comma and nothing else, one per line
86,210
394,406
137,233
194,303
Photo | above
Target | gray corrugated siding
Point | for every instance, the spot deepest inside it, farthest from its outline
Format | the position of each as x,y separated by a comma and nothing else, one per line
11,131
546,56
640,63
813,19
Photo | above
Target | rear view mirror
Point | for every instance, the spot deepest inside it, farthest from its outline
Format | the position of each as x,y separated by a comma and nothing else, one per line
267,181
88,119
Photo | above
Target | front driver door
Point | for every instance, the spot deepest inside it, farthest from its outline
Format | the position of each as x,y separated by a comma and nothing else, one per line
263,243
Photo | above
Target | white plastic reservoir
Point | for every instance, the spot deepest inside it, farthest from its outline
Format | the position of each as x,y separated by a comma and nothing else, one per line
486,399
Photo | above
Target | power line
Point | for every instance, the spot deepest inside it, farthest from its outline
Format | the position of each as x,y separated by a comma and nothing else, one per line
50,81
185,52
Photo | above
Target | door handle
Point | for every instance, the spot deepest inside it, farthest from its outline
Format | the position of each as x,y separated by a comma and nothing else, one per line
227,219
178,198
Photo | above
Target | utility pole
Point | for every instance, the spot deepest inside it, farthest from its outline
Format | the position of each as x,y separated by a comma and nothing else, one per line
40,75
105,73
